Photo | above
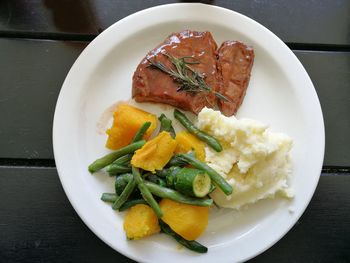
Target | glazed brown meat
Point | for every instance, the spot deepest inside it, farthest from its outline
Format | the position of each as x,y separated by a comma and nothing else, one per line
226,71
152,85
235,61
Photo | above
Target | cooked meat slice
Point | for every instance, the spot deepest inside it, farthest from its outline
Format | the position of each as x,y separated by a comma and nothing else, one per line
152,85
235,61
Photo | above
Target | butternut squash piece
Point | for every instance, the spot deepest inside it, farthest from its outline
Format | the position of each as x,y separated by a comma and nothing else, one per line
187,141
156,153
140,221
127,121
188,221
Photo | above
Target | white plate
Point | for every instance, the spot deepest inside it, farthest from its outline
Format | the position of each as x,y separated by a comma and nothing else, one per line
280,93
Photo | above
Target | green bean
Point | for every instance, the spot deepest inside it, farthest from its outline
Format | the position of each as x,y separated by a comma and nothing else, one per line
166,125
109,158
123,160
131,203
214,176
138,136
109,197
192,245
121,182
167,171
176,161
168,175
114,169
146,194
125,194
211,141
176,196
157,180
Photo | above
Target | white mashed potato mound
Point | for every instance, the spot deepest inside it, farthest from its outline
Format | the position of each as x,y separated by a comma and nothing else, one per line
254,160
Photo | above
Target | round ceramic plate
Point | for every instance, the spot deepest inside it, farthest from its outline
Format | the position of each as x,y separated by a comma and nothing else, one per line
280,93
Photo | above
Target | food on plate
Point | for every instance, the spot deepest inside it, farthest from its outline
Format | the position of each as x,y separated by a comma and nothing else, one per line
235,61
121,182
219,181
187,142
156,153
189,181
127,121
114,156
186,72
166,125
169,182
125,193
211,141
154,184
140,221
153,85
167,179
188,221
169,193
145,192
119,166
192,245
254,161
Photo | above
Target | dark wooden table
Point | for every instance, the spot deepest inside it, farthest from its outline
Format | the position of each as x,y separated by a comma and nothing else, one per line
39,41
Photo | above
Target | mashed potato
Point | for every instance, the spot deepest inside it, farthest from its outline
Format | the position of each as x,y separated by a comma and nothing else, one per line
254,160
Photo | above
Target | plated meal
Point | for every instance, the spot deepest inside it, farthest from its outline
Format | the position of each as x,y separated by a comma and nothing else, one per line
234,86
167,179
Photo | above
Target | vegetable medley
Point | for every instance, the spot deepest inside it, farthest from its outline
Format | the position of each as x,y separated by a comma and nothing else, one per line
162,182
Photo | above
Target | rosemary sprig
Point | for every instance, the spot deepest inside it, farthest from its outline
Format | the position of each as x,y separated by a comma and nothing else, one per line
188,79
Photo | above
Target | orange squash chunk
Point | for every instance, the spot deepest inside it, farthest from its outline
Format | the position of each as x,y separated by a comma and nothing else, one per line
188,221
127,121
140,221
156,153
187,141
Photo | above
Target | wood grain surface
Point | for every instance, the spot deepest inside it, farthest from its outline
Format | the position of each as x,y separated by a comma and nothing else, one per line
324,22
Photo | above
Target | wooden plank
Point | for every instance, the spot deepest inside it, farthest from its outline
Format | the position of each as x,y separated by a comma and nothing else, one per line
330,73
38,224
66,16
32,72
31,76
292,21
